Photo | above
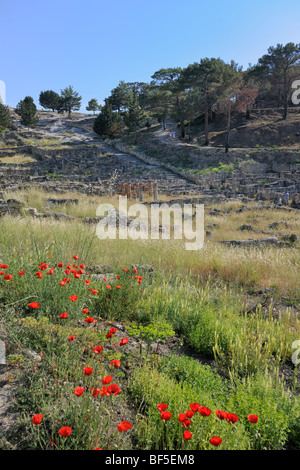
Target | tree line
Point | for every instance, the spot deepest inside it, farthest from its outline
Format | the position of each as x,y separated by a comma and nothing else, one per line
183,94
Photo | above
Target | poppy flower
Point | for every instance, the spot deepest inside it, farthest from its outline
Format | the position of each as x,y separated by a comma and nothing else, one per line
118,287
232,418
1,273
63,315
166,415
87,281
106,380
65,431
85,310
135,271
215,441
97,448
253,418
36,419
60,265
186,423
3,266
113,388
104,391
195,407
187,435
71,338
34,305
181,417
73,298
162,407
81,271
104,279
117,277
124,341
113,330
77,276
67,271
79,391
221,414
62,283
109,335
88,370
125,270
108,287
8,277
124,426
204,411
76,257
21,273
189,413
98,349
82,266
90,320
94,291
39,275
116,363
95,392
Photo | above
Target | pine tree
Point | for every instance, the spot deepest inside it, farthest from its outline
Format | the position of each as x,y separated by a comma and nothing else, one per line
93,105
27,110
107,122
5,119
49,100
69,101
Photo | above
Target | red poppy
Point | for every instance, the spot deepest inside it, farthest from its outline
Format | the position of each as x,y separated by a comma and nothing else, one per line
118,287
90,320
124,341
1,273
77,276
106,380
195,407
36,419
108,287
125,270
204,411
187,435
189,413
76,257
124,426
113,330
81,271
104,391
85,310
62,283
104,279
98,349
166,415
3,266
116,363
67,271
60,265
109,335
97,448
88,370
39,275
253,418
71,338
34,305
113,388
117,277
135,271
232,418
79,391
221,414
73,298
95,392
82,266
21,273
186,423
162,407
63,315
8,277
65,431
181,417
87,281
215,441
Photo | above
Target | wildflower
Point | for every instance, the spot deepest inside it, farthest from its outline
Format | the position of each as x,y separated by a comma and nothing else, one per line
232,418
189,413
253,418
82,266
62,283
118,287
215,441
76,257
79,391
3,266
109,335
124,341
125,270
113,330
39,275
65,431
21,273
124,426
8,277
221,414
166,415
85,310
116,363
73,298
34,305
187,435
60,265
117,277
108,287
106,380
204,411
87,281
36,419
63,315
71,338
98,349
113,388
181,417
88,370
186,423
90,320
104,391
95,392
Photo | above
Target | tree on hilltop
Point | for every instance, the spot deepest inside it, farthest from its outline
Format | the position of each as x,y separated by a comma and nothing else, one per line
27,110
5,119
93,105
70,100
49,100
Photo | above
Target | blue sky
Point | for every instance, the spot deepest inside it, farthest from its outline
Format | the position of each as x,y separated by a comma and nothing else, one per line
93,44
